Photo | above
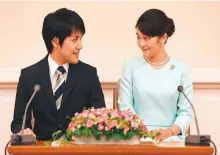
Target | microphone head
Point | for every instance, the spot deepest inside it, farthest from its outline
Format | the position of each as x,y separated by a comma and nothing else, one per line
37,87
180,88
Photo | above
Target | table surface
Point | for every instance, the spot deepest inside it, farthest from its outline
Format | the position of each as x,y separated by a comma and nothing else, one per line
141,149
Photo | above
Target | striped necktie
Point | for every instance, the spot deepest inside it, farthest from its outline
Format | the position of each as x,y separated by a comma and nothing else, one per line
59,86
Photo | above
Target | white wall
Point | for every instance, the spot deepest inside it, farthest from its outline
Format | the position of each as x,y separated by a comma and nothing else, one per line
110,38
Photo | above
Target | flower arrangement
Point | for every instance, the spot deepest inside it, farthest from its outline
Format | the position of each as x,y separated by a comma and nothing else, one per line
110,123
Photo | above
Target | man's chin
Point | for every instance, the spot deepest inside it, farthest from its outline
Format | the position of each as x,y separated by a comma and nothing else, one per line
74,61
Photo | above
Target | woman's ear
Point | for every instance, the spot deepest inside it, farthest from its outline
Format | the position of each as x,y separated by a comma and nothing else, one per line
165,37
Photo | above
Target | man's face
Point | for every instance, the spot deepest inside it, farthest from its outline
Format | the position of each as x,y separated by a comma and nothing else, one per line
70,49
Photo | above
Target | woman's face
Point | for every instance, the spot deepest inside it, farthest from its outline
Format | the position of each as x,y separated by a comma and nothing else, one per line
150,46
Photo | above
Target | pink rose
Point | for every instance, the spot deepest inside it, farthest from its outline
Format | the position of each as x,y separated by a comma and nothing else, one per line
114,123
89,123
100,127
91,116
70,126
126,129
107,128
134,124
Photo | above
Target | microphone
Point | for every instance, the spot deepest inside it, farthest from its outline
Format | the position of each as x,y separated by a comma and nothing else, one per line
198,140
27,139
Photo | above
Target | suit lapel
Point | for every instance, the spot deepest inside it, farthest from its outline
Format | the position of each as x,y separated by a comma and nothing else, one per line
45,82
72,77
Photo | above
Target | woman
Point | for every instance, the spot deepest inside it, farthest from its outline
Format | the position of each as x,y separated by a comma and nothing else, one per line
148,84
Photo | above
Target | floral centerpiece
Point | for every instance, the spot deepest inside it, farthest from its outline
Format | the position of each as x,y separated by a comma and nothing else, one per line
109,125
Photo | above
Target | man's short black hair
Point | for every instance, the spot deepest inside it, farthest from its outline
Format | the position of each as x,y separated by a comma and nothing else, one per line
61,24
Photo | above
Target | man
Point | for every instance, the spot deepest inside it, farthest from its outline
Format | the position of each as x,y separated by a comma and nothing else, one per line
67,84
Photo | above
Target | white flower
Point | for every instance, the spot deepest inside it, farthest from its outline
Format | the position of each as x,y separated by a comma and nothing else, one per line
73,129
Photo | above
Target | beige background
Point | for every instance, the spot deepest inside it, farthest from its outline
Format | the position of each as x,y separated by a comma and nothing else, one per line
110,38
109,41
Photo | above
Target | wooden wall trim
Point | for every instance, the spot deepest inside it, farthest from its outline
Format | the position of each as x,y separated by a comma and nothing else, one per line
206,85
8,85
113,85
13,85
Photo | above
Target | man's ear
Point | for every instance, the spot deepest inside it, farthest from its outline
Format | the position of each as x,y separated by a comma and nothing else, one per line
55,42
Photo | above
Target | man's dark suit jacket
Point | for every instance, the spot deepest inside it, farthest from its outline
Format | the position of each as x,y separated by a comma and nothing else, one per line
82,90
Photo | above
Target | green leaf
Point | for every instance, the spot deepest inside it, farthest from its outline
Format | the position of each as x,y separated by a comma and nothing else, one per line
54,135
47,143
129,135
117,136
151,134
145,135
86,132
158,134
108,136
96,133
68,134
118,130
67,117
97,137
137,132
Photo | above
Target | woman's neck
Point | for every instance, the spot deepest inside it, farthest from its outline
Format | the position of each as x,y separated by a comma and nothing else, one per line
160,57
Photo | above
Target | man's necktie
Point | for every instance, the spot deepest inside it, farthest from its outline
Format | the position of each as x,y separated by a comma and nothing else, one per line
59,86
